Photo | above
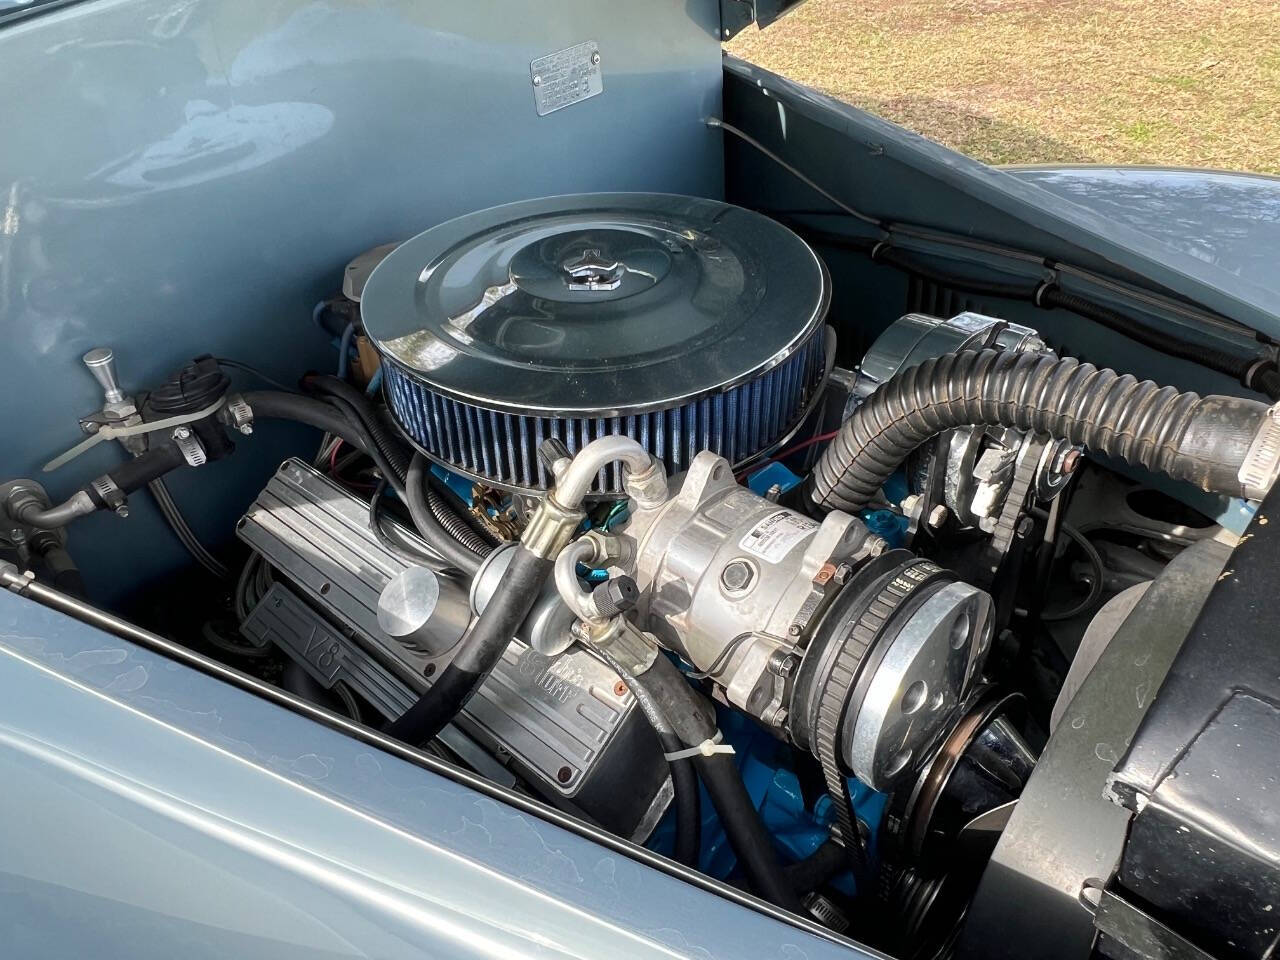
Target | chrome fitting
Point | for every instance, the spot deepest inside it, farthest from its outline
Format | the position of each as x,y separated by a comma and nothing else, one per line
610,550
623,639
648,488
551,528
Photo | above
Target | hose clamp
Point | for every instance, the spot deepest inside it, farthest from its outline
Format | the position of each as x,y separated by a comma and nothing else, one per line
1261,464
1261,365
112,497
1045,285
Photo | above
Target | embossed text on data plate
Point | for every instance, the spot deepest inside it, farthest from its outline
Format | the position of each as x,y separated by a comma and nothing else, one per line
565,77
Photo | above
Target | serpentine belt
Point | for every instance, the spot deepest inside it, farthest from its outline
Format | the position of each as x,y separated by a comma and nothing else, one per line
839,685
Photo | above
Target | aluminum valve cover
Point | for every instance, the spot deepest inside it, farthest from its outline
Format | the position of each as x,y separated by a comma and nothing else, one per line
566,722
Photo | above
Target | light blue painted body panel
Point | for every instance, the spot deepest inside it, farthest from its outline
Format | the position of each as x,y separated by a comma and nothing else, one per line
187,176
1228,220
152,811
894,174
182,176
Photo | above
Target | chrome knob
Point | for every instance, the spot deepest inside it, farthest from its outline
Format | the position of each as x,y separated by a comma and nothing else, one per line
102,364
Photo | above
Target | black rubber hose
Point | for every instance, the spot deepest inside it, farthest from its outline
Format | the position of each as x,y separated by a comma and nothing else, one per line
62,569
278,405
817,869
1233,365
331,418
478,651
684,779
395,454
387,468
1202,440
693,719
410,553
445,536
133,475
454,522
446,498
391,446
335,416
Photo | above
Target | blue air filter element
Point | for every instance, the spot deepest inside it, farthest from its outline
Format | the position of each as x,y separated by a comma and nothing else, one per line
687,324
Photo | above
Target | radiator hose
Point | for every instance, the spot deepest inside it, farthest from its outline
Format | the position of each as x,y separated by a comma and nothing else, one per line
1202,440
443,529
479,650
693,718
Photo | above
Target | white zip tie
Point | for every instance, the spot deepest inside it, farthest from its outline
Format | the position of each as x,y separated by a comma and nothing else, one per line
110,431
707,748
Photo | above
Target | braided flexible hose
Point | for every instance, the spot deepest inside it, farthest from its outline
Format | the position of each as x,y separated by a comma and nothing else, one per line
1199,439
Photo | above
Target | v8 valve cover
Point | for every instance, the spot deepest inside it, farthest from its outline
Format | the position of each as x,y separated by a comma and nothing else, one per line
685,323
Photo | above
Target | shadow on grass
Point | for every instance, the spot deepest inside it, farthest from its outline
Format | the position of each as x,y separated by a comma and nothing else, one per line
980,136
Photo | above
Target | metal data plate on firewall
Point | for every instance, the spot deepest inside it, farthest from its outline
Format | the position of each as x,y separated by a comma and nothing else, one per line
566,77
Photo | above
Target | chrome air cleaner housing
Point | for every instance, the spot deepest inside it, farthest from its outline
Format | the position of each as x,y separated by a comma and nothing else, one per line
687,324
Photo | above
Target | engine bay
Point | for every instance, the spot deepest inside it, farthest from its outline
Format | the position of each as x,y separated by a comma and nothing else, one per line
606,512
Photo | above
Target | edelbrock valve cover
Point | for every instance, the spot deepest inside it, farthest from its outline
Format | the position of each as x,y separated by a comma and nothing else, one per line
566,722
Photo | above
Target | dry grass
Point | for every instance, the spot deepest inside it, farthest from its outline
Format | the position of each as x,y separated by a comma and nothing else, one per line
1174,82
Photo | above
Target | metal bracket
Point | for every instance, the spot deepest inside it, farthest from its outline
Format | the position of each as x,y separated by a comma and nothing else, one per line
1138,934
825,585
736,15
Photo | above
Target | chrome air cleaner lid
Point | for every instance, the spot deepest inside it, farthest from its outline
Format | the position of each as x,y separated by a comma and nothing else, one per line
595,305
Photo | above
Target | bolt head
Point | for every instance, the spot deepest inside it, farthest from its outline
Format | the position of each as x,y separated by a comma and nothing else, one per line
182,433
122,510
937,516
736,575
246,428
595,57
842,574
537,81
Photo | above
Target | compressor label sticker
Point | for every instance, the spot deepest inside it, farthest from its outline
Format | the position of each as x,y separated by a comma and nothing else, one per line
773,537
566,77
